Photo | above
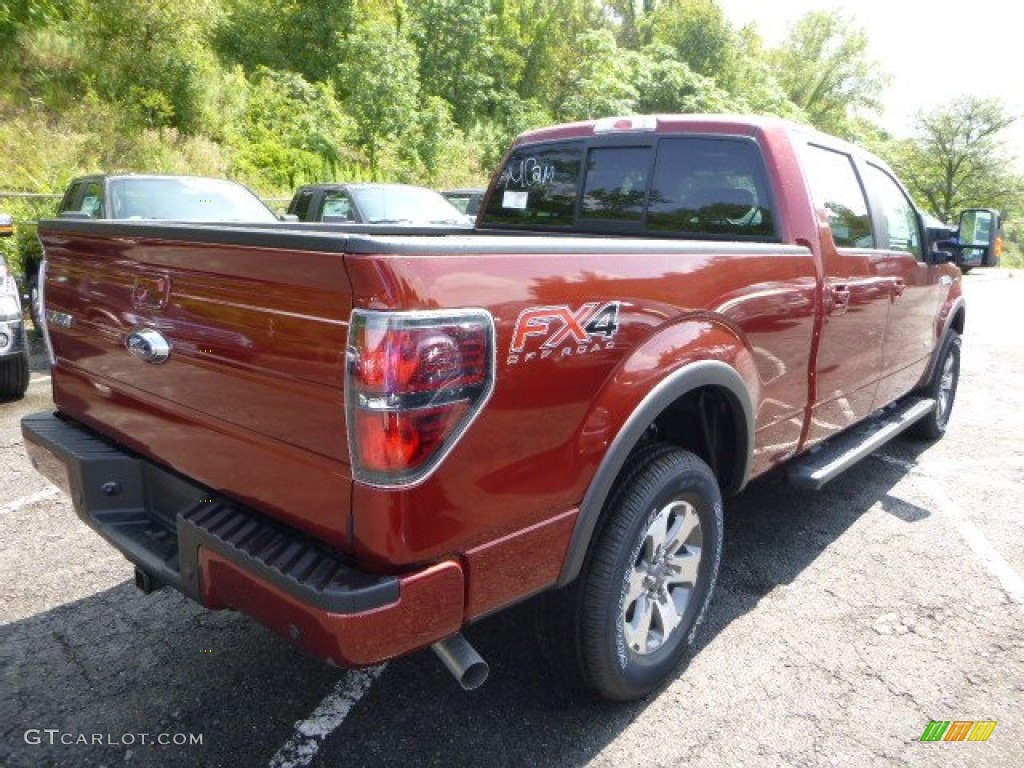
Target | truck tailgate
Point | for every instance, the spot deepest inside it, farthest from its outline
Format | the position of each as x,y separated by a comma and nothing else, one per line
250,399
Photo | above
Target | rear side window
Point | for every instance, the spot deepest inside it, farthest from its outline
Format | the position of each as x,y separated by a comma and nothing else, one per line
92,200
300,205
835,187
537,187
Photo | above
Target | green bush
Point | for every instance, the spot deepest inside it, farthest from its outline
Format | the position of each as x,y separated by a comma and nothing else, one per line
24,246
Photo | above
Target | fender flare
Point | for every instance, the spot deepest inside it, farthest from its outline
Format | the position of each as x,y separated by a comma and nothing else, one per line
957,308
703,373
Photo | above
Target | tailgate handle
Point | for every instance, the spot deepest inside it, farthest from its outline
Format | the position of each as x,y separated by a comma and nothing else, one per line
148,345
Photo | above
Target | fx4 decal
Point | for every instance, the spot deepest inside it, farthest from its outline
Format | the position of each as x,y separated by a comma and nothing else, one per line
562,331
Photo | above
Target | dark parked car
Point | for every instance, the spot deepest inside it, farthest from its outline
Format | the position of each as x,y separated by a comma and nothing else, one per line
466,200
13,346
152,196
374,204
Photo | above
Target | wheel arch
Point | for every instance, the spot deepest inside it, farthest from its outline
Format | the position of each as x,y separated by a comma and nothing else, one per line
955,319
679,390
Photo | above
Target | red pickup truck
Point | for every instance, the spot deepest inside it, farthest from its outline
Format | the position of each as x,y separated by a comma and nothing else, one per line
368,440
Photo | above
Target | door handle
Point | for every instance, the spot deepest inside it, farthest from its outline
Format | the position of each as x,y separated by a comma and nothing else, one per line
840,299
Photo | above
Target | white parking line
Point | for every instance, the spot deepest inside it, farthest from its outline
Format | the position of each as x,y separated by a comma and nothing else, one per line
39,379
302,748
48,493
1009,579
996,564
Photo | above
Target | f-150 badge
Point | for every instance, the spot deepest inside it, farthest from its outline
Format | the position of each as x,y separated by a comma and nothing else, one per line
560,331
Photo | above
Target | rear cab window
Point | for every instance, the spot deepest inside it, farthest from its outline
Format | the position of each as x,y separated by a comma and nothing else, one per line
679,186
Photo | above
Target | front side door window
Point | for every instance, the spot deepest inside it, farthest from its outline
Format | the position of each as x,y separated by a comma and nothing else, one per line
92,200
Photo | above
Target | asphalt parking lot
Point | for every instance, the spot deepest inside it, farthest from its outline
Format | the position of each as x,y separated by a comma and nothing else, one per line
844,622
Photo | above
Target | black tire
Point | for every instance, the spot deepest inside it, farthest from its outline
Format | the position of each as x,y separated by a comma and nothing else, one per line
942,388
13,377
594,628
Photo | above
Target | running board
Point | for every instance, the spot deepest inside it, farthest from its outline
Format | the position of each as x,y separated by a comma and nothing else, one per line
839,453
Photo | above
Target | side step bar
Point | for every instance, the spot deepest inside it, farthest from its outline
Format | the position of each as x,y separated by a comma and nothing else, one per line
832,457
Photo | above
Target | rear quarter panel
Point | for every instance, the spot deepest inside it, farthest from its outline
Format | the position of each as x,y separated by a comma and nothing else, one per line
531,454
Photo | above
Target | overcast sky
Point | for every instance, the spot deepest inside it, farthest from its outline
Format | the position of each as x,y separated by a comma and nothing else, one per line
933,50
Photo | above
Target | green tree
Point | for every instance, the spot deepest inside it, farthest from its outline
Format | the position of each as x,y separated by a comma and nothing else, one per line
957,159
664,84
631,15
598,83
824,68
154,59
294,36
701,36
380,86
290,133
454,48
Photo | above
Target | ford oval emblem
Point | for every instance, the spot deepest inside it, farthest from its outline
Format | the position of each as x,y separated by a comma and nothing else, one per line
148,345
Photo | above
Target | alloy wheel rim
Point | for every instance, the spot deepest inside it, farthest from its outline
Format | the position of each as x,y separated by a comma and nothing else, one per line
947,386
661,582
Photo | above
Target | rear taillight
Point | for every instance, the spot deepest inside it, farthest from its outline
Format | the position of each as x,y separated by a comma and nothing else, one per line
414,383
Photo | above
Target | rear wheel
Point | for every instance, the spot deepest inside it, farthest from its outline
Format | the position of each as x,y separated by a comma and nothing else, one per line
942,388
624,626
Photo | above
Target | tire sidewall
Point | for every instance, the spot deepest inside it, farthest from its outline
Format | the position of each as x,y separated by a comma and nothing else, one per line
638,674
950,348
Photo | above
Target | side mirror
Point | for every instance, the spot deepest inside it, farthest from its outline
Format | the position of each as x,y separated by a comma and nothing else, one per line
979,237
978,227
6,225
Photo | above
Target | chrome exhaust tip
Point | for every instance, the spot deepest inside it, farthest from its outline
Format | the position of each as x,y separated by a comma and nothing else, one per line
462,660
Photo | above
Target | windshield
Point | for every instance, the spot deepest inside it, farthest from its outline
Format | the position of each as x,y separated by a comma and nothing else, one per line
185,199
405,205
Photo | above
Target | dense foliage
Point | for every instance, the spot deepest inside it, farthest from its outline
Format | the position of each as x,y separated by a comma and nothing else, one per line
276,93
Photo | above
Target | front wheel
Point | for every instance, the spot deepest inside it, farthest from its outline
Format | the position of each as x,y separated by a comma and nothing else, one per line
14,376
942,389
624,626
